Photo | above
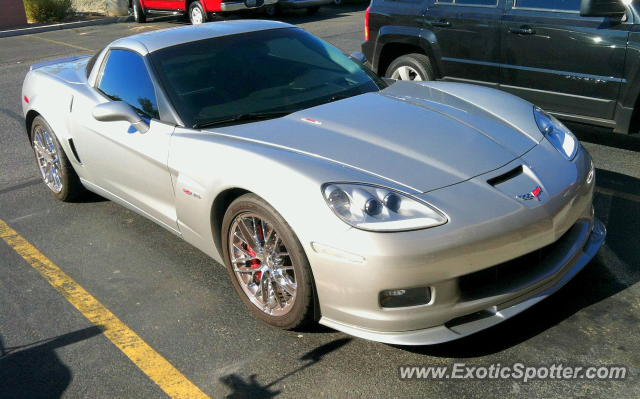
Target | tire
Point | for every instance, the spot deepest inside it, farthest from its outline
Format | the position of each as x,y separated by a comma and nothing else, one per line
272,11
197,15
43,138
138,12
415,66
312,10
299,311
337,2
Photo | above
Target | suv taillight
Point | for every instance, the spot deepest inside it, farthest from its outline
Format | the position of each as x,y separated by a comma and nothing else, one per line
366,23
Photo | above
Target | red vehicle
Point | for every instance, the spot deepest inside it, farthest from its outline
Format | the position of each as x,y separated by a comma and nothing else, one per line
197,10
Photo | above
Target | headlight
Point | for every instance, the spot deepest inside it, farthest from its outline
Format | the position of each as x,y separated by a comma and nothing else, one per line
557,133
379,209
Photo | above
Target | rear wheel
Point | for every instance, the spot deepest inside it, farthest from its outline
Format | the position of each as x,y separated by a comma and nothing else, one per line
138,12
55,168
197,15
267,264
414,66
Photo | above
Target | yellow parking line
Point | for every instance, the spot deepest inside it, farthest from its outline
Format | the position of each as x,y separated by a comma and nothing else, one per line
171,380
60,43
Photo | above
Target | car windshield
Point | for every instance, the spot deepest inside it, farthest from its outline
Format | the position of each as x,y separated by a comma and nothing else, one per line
257,75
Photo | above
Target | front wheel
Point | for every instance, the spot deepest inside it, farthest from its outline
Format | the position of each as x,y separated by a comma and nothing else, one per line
197,15
267,264
415,67
55,168
138,12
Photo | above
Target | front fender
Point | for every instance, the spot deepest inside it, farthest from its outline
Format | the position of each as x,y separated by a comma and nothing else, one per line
207,164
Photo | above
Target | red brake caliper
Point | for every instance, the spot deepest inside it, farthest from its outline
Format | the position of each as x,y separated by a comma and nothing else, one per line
255,263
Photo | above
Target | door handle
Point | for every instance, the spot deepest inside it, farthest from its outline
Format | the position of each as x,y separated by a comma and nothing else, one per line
443,23
523,30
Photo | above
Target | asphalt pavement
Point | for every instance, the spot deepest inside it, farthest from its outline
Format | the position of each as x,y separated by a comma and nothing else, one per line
183,306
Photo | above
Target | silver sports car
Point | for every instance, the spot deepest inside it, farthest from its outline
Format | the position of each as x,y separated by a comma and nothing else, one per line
408,213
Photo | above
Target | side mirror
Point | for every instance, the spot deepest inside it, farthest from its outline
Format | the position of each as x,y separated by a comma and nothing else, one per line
359,57
120,111
602,8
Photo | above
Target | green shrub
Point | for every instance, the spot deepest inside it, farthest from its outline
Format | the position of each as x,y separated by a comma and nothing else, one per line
47,10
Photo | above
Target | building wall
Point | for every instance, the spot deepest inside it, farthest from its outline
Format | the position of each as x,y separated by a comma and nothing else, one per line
12,14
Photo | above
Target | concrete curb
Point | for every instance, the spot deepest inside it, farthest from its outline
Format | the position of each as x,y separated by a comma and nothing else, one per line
67,25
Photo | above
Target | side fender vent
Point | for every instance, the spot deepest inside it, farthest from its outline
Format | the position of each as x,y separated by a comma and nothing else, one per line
75,152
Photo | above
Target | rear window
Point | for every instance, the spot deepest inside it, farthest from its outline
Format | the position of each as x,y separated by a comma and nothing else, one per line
92,61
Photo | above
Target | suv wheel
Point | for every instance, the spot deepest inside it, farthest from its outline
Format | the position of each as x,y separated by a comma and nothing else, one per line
138,13
410,67
197,15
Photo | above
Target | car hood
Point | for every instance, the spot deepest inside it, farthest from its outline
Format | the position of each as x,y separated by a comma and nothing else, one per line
423,136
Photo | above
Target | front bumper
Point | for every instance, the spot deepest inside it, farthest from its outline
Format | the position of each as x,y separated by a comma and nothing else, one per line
303,3
229,6
581,253
488,228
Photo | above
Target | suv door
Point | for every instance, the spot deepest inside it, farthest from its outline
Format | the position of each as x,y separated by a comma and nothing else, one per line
468,38
125,163
565,63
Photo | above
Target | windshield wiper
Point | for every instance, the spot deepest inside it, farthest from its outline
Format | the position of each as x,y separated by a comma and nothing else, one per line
251,116
338,97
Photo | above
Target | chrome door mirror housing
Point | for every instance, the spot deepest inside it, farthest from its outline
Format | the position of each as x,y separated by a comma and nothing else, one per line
120,111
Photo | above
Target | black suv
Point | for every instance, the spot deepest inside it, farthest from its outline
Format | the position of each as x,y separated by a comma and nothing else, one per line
578,59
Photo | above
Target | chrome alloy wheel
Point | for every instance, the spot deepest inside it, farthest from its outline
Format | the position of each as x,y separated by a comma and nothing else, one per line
406,73
47,155
262,265
196,16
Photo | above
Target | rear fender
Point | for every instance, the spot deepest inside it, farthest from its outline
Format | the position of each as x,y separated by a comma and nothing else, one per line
53,104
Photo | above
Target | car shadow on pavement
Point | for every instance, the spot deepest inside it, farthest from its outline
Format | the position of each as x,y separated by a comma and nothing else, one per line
242,388
35,370
615,268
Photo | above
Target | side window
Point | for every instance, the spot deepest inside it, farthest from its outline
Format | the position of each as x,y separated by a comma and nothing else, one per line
491,3
125,78
551,5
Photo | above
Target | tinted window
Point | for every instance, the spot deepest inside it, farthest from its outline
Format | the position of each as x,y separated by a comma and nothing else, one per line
562,5
125,77
276,71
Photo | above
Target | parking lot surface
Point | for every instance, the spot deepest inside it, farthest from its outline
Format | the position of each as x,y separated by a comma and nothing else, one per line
182,306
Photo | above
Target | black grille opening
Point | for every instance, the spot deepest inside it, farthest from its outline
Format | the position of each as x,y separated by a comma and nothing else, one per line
514,274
